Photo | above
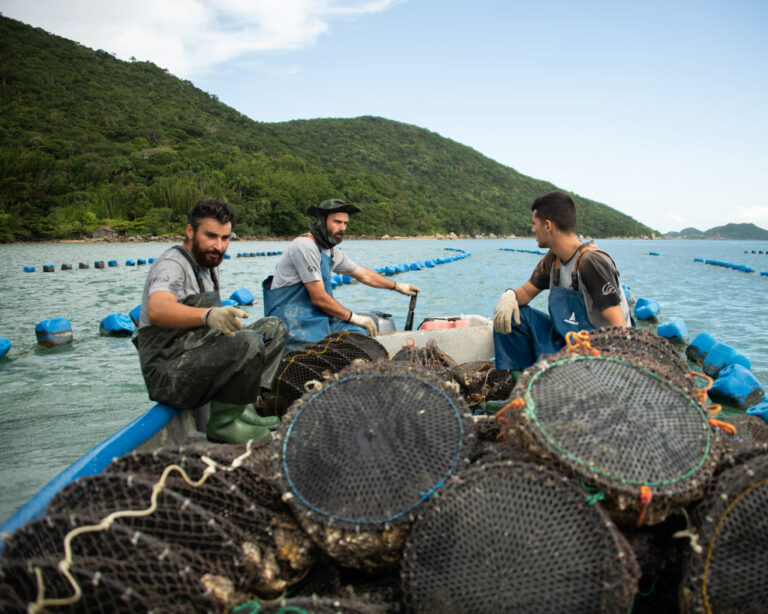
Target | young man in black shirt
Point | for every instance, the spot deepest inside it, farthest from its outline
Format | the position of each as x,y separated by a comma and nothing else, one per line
583,283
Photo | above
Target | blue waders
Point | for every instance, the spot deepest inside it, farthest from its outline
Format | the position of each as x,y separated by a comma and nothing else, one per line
305,322
539,333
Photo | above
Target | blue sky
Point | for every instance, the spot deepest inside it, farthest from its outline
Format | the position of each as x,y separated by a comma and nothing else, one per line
658,109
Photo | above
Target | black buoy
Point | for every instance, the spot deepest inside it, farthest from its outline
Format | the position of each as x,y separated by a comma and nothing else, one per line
48,268
66,266
83,265
99,264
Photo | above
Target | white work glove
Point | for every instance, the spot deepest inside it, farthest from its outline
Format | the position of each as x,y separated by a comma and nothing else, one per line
407,289
224,319
506,308
365,322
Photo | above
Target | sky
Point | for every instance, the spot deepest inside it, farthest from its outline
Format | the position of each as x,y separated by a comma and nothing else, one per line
658,108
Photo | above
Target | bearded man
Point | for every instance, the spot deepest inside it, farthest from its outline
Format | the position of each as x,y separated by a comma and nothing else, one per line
193,350
300,291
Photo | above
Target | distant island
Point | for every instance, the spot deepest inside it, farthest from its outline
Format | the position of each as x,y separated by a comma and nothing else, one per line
742,232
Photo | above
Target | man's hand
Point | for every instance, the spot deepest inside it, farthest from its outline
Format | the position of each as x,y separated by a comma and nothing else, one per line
224,319
407,289
506,308
364,322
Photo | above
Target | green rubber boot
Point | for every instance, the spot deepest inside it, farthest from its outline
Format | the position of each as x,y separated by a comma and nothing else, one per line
225,426
251,416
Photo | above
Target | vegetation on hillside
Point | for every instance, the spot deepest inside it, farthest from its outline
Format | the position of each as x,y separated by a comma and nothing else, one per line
88,139
739,232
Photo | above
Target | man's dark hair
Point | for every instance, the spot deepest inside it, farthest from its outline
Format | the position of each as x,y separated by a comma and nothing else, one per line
558,208
221,211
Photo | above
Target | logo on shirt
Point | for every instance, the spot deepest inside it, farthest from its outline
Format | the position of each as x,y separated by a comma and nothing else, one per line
609,288
311,269
572,319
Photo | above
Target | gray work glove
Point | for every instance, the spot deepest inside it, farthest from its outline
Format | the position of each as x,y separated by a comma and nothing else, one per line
365,322
407,289
224,319
506,309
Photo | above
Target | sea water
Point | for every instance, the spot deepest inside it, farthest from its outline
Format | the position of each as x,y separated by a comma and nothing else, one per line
55,404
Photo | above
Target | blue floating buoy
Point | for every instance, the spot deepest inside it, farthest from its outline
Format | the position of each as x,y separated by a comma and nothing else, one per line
403,267
760,410
675,331
135,314
151,260
116,325
5,345
415,266
112,263
646,309
389,270
720,356
48,268
228,302
130,263
29,269
698,348
66,266
83,265
346,279
336,279
227,256
738,386
242,296
141,261
654,254
430,264
99,264
56,331
698,259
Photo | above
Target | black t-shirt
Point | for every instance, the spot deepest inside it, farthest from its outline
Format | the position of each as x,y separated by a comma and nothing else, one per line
598,276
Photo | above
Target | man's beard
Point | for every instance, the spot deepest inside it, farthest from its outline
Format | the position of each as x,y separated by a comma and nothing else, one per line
210,259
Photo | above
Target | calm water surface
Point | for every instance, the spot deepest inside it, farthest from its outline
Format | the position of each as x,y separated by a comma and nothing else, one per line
56,404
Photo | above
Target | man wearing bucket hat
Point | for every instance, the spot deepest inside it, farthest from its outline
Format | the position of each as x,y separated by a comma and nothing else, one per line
300,292
583,283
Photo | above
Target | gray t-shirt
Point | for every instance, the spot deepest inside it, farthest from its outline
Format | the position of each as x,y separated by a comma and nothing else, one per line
300,263
173,273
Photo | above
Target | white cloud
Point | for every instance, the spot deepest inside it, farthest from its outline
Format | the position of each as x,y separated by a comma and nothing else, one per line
189,37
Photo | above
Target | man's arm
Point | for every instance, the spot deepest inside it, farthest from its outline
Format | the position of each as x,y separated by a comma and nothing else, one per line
614,316
164,310
325,302
526,293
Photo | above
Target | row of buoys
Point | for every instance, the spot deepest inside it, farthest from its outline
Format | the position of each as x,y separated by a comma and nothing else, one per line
730,370
394,269
654,254
524,251
252,254
729,265
759,251
98,264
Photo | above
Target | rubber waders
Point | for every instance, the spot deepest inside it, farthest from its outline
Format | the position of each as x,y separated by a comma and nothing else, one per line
224,424
251,416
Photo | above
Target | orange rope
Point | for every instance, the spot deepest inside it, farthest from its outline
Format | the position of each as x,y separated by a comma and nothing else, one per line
580,341
715,409
645,499
725,426
701,393
514,404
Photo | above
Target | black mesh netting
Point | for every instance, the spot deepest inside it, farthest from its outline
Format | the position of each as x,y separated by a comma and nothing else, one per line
619,427
725,572
318,361
478,380
516,537
357,457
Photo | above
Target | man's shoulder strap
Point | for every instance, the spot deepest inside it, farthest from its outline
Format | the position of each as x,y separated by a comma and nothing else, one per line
583,249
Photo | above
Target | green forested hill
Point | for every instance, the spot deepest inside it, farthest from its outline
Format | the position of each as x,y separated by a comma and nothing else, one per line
88,139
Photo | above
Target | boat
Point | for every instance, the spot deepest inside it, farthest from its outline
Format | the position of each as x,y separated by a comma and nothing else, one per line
464,338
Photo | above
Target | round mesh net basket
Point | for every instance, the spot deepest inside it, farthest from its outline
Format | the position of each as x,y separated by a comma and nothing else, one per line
725,570
619,427
356,457
516,537
318,361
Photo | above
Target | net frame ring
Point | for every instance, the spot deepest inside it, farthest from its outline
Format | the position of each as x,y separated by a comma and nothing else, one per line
357,458
576,410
